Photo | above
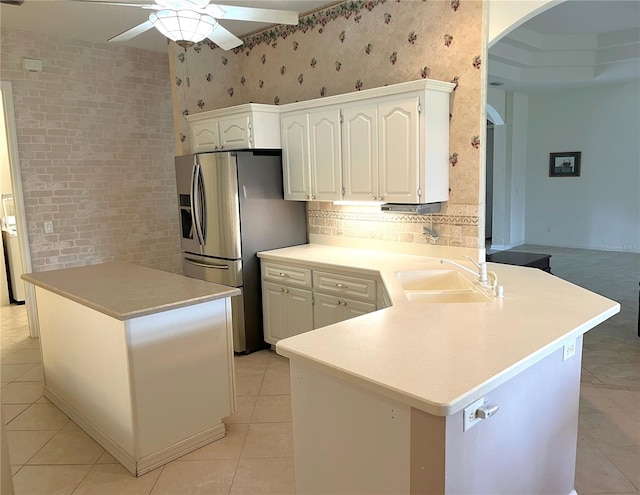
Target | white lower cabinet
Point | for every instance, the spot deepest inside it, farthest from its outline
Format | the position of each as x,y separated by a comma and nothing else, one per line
287,311
328,309
298,299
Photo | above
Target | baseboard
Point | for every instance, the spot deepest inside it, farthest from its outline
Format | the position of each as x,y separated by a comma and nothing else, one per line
500,247
121,455
179,449
137,467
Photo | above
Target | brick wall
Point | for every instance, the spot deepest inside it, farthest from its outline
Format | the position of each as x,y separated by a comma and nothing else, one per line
96,148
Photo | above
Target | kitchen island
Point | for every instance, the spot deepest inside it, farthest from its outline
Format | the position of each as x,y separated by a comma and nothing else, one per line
392,401
141,359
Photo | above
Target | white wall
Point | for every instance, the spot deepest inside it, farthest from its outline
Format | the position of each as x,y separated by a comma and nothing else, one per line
509,168
601,208
519,104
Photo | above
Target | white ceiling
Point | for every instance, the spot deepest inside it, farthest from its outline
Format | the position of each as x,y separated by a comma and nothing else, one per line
575,43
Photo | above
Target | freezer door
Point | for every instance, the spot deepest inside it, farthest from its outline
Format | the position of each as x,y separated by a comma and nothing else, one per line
208,200
219,271
217,189
185,170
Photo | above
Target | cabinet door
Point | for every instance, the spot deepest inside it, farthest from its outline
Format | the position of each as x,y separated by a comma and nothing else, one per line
235,133
274,306
360,152
299,311
351,308
326,310
204,137
295,156
326,155
399,124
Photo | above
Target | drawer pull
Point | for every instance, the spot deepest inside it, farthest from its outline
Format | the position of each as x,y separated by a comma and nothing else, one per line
342,286
285,275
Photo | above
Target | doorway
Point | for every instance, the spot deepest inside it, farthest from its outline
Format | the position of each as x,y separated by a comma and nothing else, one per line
488,225
13,213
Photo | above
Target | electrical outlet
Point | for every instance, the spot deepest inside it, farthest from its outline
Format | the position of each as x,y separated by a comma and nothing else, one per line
470,417
569,350
48,227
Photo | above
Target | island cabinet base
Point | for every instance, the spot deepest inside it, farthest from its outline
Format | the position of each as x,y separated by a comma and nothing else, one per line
350,439
148,389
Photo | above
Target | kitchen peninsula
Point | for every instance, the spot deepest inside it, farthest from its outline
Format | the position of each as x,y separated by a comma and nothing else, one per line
439,397
141,359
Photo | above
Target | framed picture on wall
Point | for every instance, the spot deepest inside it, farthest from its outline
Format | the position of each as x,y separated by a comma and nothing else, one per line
566,164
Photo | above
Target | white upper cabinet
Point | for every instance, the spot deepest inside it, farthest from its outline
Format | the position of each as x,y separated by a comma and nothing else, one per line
381,157
391,144
295,157
311,155
325,155
399,150
242,127
360,144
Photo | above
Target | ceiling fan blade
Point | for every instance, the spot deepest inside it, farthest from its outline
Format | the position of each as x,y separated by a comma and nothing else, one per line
133,32
224,38
229,12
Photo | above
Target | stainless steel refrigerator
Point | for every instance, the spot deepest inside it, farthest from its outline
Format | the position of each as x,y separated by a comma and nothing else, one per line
231,206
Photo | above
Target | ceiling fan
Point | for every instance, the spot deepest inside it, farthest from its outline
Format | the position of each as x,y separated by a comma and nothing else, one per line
189,21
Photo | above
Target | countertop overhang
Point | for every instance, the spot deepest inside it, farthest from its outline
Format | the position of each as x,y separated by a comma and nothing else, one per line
439,357
124,290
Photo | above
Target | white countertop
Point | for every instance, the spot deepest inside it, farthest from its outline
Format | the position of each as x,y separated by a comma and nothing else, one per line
440,357
124,291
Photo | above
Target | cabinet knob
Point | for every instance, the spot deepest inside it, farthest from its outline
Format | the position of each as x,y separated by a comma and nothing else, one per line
281,289
286,291
338,303
306,196
344,303
380,198
221,147
215,147
373,197
313,196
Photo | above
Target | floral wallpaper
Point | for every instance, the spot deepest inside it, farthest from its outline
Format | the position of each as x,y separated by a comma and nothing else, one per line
348,47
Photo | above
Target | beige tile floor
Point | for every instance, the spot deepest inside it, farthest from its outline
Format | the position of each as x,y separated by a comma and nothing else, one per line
51,455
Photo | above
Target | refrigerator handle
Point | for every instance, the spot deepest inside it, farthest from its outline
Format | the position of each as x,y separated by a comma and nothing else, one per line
206,265
196,207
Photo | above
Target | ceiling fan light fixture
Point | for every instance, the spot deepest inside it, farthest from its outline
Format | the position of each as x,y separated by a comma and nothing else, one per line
184,26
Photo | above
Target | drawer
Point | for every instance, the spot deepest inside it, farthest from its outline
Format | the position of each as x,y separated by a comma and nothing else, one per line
288,275
344,285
